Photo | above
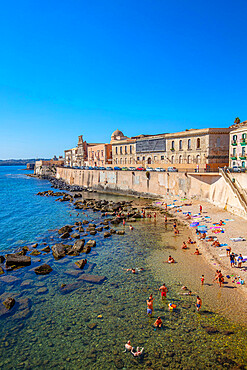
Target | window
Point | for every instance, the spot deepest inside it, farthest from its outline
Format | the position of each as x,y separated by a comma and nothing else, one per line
218,142
162,157
120,160
233,163
130,160
125,160
116,161
243,151
172,144
155,158
234,152
125,148
243,164
180,145
130,149
172,159
189,144
198,143
234,137
180,160
244,136
189,159
138,158
198,159
121,150
102,153
143,158
116,149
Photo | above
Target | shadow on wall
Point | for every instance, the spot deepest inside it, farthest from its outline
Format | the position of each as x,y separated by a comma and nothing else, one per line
206,178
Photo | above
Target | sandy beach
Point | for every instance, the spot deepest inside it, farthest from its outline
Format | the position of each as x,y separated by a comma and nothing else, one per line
233,227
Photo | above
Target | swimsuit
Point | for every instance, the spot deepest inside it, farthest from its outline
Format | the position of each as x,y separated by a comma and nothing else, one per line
198,305
149,311
163,294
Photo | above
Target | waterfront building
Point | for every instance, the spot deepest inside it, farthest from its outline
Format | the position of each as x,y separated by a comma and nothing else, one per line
189,150
99,155
76,156
123,149
238,142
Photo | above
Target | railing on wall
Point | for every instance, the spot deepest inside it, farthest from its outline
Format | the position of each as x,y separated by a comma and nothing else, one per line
235,186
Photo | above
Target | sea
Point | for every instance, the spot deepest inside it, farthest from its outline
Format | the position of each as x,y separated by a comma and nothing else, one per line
87,327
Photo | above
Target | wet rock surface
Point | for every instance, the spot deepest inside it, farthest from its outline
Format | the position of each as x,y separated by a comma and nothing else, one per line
43,270
17,260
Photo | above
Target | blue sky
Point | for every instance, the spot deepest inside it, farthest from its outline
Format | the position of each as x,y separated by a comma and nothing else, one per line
70,68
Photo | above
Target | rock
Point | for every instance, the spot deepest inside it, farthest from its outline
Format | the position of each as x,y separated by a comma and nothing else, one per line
9,303
95,279
92,326
65,236
35,253
2,259
27,283
86,249
23,251
23,309
75,236
58,250
67,288
43,269
227,332
106,227
80,229
112,231
1,271
46,249
42,290
91,243
120,232
93,232
107,234
211,330
81,263
16,260
78,246
99,229
65,229
34,245
115,221
92,225
9,279
85,222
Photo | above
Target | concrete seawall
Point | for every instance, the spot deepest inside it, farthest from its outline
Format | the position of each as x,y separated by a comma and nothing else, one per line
209,187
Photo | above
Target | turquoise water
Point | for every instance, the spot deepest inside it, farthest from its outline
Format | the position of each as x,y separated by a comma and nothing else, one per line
88,327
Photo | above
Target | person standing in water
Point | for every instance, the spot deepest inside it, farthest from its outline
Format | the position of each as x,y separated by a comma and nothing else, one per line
163,290
198,303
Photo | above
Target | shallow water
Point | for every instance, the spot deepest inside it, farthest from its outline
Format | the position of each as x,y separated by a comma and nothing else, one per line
56,330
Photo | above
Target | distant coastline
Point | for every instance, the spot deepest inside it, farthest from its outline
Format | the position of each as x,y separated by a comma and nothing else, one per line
19,162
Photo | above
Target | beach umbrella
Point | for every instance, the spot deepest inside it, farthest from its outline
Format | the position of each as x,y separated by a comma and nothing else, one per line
194,224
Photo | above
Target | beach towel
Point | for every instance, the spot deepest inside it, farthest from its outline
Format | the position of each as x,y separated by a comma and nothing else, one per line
240,239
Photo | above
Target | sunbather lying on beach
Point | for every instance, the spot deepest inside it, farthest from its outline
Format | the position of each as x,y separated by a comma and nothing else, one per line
170,260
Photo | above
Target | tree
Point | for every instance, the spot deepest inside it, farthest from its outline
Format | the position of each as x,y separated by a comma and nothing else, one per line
237,120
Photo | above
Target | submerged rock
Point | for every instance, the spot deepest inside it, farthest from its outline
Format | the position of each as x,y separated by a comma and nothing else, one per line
9,303
58,250
17,260
35,253
91,243
46,249
107,234
43,269
65,229
95,279
81,263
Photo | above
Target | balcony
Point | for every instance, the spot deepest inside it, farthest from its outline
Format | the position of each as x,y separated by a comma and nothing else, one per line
233,157
242,157
172,150
234,142
243,142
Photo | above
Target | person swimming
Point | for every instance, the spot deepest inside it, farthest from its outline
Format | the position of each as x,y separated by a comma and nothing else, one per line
138,352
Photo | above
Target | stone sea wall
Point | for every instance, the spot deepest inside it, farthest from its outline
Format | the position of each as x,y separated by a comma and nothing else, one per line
206,186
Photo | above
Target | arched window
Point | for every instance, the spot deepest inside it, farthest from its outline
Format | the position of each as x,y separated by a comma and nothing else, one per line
198,143
172,159
120,160
121,150
180,159
125,161
218,142
189,159
198,159
189,144
173,144
180,145
130,160
234,137
243,164
116,161
149,160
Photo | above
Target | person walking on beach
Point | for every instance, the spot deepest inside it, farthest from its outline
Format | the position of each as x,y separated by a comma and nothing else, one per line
198,303
149,307
240,260
200,209
152,301
163,290
202,280
232,259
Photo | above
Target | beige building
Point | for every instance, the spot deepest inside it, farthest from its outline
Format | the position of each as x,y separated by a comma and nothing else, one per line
238,142
195,149
123,150
76,157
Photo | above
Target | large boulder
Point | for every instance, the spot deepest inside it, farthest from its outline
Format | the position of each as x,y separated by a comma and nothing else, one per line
58,251
65,235
43,269
78,245
17,260
2,259
75,236
107,234
65,229
91,243
9,303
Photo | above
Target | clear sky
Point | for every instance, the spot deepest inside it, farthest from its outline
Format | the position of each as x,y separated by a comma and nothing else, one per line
70,68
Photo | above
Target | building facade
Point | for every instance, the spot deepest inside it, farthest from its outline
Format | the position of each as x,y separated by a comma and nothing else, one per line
99,155
123,150
238,142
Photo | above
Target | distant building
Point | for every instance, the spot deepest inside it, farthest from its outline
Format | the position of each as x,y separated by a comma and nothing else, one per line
99,155
30,166
47,167
238,142
76,156
123,149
